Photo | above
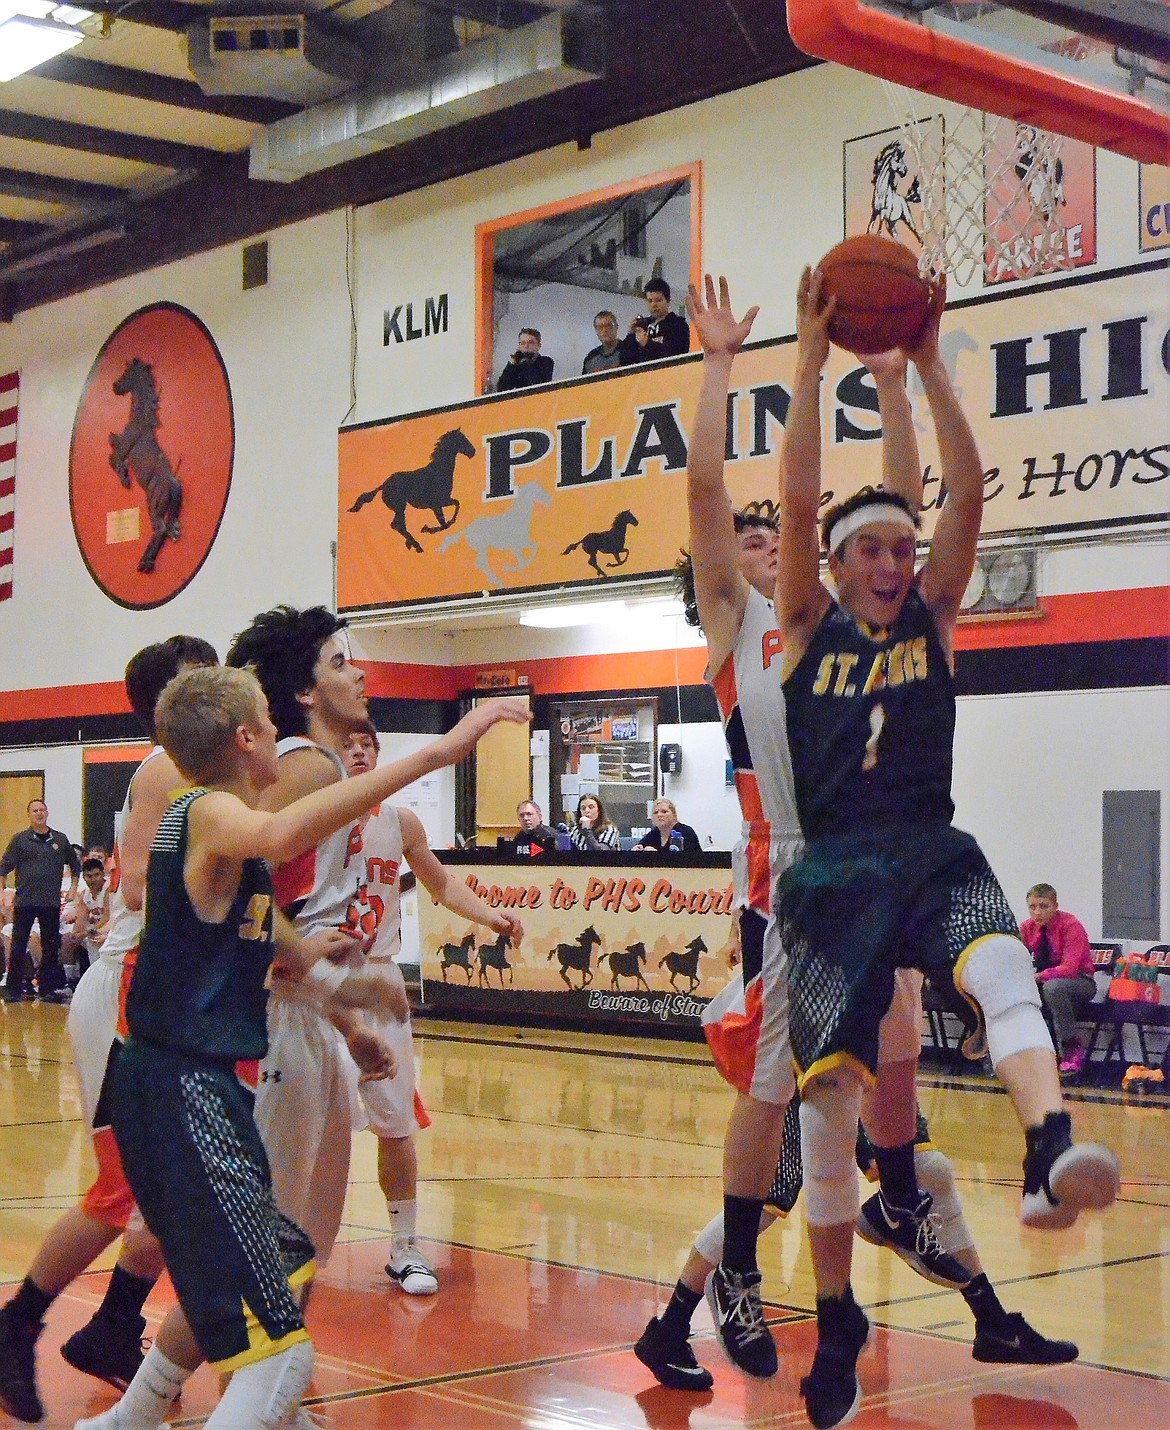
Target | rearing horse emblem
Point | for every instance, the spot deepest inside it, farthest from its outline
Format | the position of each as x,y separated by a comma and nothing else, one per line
889,208
135,450
429,488
611,542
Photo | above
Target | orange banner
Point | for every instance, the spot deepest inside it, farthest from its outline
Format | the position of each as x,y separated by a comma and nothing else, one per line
584,483
631,939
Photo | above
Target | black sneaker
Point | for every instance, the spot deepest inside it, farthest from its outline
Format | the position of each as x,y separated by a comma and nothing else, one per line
670,1360
18,1370
106,1350
734,1298
1063,1178
1018,1344
831,1391
911,1235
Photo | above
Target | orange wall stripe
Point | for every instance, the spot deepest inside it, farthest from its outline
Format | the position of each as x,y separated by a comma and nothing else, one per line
1067,620
56,702
1073,620
116,754
394,680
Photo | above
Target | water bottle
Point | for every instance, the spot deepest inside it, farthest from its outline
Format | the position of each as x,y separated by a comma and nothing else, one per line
676,842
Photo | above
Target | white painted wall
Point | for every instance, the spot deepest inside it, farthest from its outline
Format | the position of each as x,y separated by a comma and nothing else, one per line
1029,769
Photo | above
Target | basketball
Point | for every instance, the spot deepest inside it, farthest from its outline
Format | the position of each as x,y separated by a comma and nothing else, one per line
882,302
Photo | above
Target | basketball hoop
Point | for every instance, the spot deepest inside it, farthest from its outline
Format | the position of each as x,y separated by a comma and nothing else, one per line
991,192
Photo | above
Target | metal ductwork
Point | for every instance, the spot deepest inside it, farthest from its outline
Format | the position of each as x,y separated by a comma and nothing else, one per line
285,57
563,48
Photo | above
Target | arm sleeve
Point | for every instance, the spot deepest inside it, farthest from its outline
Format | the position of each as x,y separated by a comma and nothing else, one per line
1075,953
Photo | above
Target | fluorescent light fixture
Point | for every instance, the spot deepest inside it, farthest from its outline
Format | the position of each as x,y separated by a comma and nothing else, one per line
584,613
26,42
599,613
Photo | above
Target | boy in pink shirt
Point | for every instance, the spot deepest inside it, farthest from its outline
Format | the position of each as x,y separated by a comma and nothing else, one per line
1063,959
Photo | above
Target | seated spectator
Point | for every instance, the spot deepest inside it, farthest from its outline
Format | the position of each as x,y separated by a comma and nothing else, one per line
662,334
84,919
534,836
527,367
608,353
1063,961
668,836
593,830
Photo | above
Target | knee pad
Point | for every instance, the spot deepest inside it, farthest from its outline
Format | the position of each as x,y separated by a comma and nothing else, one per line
829,1111
709,1242
937,1176
997,973
264,1393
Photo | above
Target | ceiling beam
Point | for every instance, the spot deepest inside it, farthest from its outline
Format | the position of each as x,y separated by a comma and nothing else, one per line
113,144
48,188
161,89
651,40
15,230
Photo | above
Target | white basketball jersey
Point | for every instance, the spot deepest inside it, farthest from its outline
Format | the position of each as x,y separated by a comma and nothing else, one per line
751,702
317,889
382,836
125,923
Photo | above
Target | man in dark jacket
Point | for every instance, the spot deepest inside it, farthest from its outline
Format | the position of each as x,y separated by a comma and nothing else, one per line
38,856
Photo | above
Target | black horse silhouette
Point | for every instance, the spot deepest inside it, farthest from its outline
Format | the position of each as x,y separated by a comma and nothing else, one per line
457,955
428,488
135,450
623,963
685,964
494,955
607,543
577,955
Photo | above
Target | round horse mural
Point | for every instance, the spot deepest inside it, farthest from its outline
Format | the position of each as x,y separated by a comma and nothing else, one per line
150,463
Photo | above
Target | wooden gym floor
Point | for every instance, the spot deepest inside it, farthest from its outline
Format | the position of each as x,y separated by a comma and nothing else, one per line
559,1192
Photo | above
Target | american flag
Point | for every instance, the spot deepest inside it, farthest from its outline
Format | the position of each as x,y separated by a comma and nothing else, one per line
9,397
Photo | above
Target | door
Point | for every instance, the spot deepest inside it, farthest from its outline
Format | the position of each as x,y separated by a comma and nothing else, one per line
503,777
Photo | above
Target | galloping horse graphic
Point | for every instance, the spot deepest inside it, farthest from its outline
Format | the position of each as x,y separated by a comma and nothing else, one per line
135,450
889,207
428,488
507,530
607,543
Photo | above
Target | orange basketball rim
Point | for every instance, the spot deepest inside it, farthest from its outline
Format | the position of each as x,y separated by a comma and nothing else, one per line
911,53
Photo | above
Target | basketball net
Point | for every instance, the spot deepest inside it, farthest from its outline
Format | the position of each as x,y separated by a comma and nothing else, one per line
991,193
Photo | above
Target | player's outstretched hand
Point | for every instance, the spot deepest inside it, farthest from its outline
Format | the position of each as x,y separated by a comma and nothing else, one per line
370,988
503,922
717,326
889,365
813,312
373,1055
476,723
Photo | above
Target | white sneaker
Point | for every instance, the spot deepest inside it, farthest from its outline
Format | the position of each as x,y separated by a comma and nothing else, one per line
411,1270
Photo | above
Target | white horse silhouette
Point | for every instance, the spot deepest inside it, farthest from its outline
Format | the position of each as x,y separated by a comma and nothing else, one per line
1039,170
508,530
889,208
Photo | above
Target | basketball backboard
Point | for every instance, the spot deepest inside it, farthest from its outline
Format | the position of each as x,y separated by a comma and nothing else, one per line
1094,70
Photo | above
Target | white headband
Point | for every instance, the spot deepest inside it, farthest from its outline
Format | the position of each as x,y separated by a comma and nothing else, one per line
866,516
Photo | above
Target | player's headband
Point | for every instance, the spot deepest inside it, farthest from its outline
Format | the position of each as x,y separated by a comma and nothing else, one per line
866,516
